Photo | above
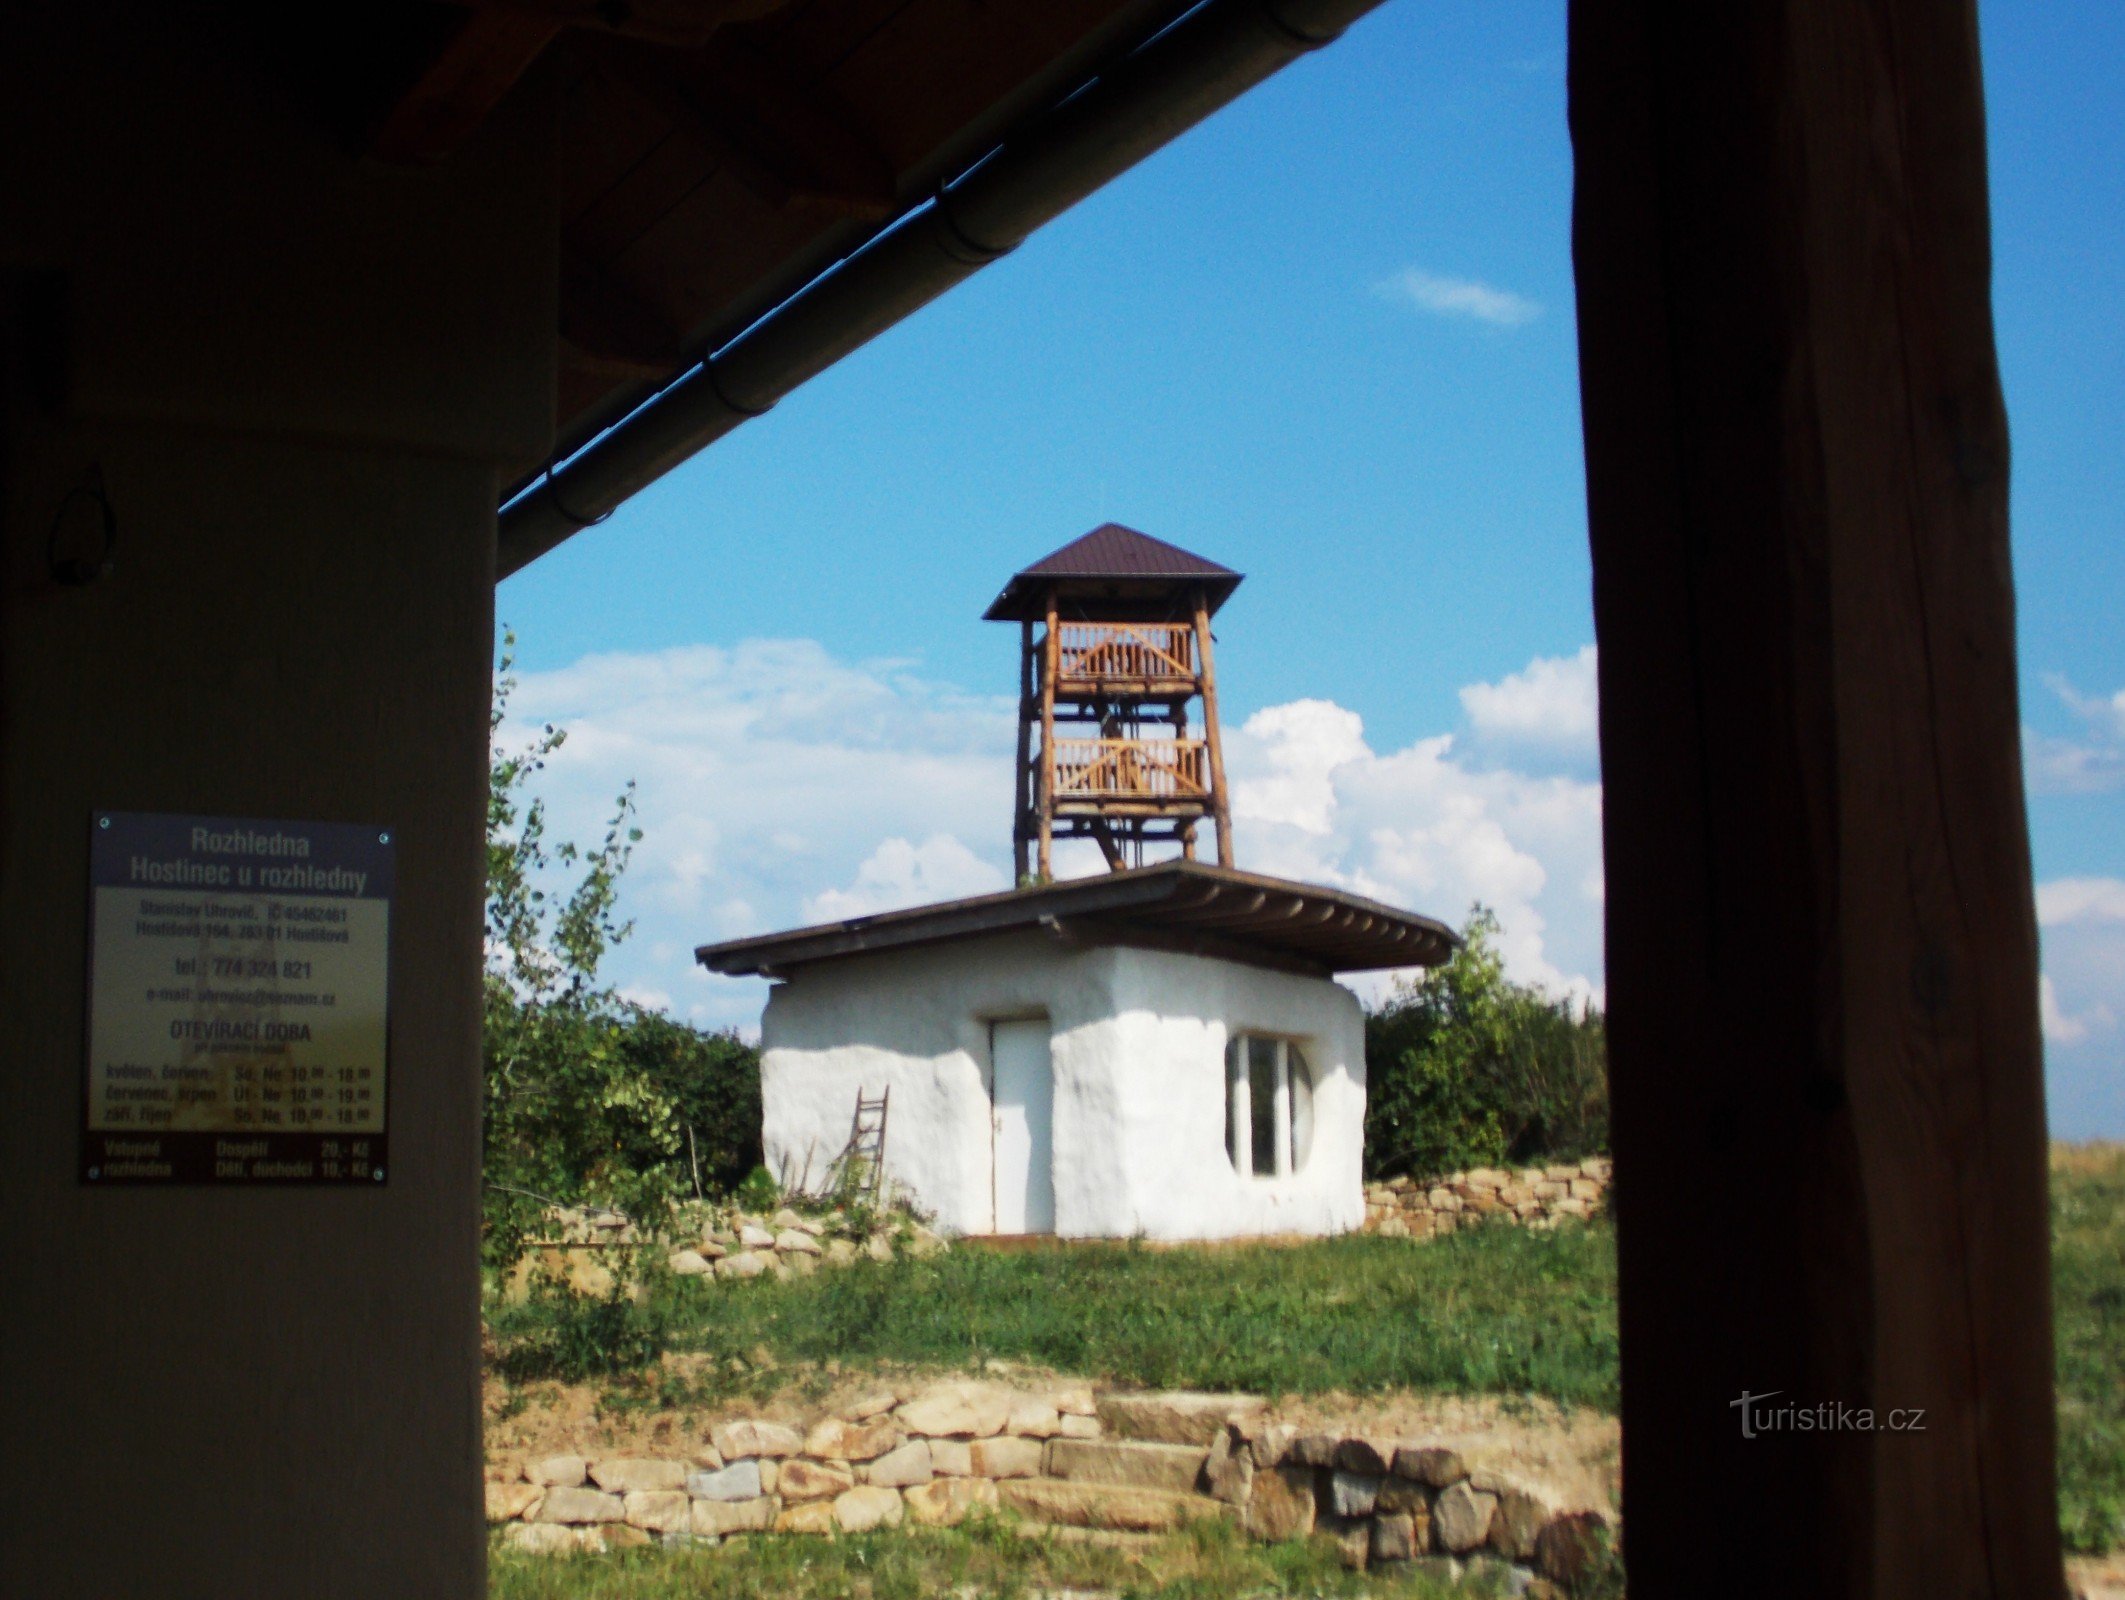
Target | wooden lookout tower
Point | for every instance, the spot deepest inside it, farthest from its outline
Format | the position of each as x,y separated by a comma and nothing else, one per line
1114,643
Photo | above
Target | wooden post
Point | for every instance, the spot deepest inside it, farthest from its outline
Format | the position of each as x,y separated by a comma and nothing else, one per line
1021,816
1050,665
1220,805
1828,1111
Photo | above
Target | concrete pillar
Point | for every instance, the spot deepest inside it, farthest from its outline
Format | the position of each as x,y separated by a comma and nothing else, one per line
300,375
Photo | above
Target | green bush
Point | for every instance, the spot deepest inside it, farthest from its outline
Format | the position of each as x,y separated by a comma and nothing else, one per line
1465,1068
574,1336
712,1083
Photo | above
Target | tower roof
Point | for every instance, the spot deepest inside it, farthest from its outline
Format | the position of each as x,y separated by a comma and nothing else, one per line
1110,567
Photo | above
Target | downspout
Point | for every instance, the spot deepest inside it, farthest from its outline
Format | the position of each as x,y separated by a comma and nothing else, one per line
1199,64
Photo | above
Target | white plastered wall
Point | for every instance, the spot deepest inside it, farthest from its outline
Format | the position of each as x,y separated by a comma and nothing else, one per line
1138,1051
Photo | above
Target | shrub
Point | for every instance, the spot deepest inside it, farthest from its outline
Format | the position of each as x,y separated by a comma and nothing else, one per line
712,1083
1466,1068
574,1336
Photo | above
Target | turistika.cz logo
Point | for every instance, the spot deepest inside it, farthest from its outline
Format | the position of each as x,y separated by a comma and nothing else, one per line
1825,1416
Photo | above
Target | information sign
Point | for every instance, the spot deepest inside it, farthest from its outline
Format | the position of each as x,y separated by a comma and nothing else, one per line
238,976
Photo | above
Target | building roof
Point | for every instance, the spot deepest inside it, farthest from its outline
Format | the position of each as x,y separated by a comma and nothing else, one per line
1111,563
1176,905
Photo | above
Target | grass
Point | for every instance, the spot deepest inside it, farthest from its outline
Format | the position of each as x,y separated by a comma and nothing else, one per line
2088,1299
1491,1311
1208,1562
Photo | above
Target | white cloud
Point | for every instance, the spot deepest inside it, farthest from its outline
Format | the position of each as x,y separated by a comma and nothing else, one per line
2064,901
2059,1028
1426,829
2081,996
1460,297
2093,763
1550,704
768,773
898,874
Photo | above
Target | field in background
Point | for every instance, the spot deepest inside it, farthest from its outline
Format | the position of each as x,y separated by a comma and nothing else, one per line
2088,1296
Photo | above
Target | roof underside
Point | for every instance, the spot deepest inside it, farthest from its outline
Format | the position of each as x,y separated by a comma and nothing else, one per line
717,155
710,170
1112,564
1177,905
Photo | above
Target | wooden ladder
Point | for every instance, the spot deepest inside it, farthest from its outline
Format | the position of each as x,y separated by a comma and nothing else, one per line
867,1144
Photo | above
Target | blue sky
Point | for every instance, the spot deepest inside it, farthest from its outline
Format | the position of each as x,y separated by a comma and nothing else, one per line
1327,339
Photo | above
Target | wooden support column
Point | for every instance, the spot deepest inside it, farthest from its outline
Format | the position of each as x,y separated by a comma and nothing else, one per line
1822,981
1050,665
1022,812
1220,803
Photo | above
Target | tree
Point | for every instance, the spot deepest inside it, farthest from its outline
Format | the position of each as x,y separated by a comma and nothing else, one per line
1466,1068
569,1115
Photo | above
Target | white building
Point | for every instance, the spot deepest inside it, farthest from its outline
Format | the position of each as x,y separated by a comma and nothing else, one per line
1161,1052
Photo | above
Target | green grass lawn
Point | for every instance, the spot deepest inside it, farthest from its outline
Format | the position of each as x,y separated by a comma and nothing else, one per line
1210,1562
1492,1311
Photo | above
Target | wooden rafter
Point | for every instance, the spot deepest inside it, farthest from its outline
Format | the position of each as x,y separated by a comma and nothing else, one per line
488,52
611,324
477,64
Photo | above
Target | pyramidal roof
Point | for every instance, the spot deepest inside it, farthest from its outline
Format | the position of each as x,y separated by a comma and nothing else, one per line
1111,562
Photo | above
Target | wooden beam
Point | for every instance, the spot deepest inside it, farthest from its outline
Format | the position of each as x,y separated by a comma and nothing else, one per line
609,322
1828,1112
682,24
1092,932
479,61
1050,649
1022,820
789,143
1220,801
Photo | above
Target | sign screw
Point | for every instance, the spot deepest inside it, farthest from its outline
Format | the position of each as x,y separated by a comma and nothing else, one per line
378,1174
103,822
383,838
95,1172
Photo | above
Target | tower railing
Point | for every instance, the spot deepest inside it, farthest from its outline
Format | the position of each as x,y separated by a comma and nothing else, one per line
1131,769
1137,652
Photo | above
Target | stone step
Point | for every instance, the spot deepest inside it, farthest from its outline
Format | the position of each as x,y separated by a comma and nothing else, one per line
1176,1468
1176,1416
1114,1506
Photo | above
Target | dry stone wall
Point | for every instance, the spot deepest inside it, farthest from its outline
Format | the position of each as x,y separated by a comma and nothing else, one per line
717,1242
1534,1197
1118,1463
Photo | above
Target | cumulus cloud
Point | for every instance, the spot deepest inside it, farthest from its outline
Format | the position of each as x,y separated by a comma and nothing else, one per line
899,873
2066,901
2093,761
771,775
2080,998
1550,704
1459,297
1425,828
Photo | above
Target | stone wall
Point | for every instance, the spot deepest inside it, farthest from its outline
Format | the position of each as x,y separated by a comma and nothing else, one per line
721,1242
1534,1197
1059,1455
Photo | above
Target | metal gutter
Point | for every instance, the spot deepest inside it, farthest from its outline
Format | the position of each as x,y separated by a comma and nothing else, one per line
1184,73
